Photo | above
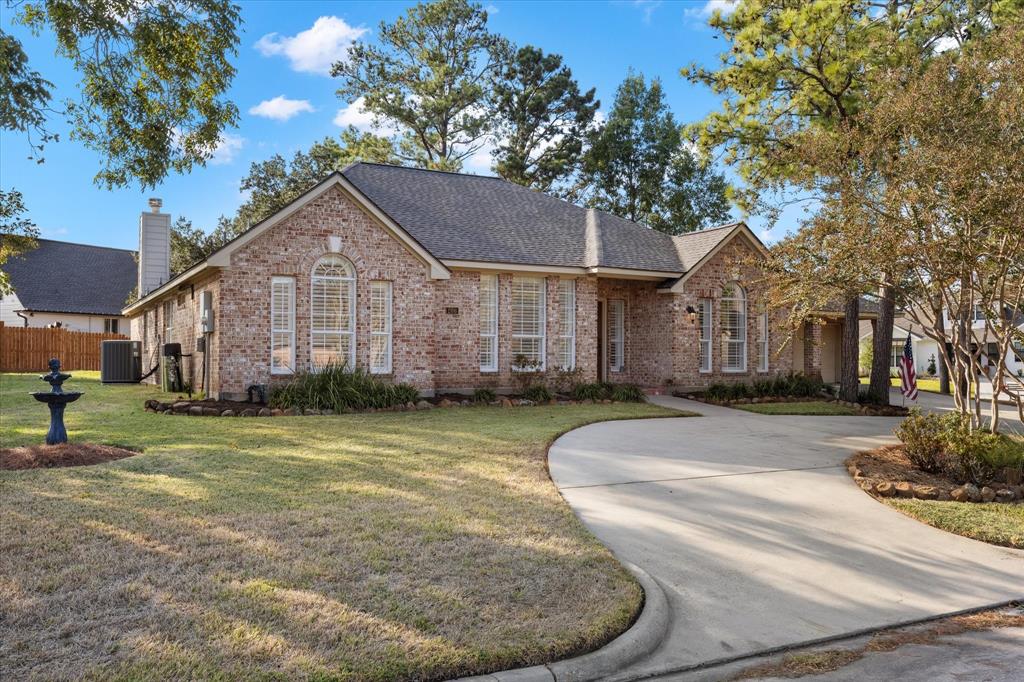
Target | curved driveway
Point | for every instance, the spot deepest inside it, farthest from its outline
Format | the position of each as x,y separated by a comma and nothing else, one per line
759,536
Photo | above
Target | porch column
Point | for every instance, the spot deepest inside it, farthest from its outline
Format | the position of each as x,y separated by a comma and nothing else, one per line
812,349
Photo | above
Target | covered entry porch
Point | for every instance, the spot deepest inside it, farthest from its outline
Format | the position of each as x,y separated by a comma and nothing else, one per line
818,345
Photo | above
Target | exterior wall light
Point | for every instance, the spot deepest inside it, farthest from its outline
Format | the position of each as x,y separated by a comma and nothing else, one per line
691,312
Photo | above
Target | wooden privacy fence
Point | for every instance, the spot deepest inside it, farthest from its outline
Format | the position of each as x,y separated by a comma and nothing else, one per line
28,349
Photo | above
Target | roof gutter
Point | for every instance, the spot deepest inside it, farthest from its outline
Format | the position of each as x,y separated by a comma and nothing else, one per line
169,285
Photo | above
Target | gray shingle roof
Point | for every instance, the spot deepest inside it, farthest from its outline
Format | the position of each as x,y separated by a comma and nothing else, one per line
62,277
480,218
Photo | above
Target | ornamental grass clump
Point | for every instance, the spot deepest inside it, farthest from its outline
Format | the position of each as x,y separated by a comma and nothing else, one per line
336,387
538,393
484,396
627,393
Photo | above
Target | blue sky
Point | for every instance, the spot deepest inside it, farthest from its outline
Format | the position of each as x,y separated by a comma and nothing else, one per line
287,100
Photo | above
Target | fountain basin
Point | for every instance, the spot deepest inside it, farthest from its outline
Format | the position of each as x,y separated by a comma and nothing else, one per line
56,402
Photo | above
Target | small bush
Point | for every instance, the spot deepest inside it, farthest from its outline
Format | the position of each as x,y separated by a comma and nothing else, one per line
922,440
337,388
717,392
968,453
762,388
597,391
484,396
538,393
627,393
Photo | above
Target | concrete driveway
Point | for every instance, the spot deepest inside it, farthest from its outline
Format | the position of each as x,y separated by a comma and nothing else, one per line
759,536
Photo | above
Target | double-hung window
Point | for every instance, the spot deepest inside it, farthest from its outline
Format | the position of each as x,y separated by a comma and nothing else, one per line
734,328
380,327
488,323
282,325
704,322
616,335
528,323
567,324
762,341
168,320
332,312
110,325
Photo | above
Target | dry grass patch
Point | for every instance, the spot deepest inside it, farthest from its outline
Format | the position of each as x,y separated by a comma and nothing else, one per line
419,545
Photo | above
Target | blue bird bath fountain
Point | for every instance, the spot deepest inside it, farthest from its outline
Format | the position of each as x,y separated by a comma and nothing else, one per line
57,399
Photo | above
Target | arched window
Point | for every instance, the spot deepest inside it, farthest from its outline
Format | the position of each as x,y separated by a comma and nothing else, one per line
733,311
332,322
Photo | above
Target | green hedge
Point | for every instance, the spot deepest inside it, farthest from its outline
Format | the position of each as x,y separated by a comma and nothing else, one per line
340,389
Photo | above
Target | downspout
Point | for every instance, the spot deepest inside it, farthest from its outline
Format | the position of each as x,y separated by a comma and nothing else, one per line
19,314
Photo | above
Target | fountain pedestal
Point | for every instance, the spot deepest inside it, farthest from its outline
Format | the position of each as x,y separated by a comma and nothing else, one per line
57,400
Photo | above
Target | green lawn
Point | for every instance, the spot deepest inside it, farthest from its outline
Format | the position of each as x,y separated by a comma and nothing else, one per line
418,545
999,524
811,407
930,385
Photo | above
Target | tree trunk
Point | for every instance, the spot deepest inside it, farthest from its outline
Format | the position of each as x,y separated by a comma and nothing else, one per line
882,347
940,326
849,383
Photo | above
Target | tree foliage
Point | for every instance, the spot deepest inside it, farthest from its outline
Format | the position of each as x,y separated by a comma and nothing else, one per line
430,76
17,233
154,77
542,118
639,167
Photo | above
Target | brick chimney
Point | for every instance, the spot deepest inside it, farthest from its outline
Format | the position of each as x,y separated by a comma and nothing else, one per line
154,247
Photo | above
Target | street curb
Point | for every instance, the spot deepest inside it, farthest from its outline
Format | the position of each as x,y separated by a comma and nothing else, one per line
640,640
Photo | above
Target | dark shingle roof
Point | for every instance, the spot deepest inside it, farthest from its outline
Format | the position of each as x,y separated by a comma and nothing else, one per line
473,217
62,277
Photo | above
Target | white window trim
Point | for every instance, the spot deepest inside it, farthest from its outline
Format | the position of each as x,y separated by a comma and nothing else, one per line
493,334
352,308
763,361
290,330
707,346
388,295
571,317
168,312
617,335
542,337
742,298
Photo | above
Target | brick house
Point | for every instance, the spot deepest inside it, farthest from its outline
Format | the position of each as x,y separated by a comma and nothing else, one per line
451,282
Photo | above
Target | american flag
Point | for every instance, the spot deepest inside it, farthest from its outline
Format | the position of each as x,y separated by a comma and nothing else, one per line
908,376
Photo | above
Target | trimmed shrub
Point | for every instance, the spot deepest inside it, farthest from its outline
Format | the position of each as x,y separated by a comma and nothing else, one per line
484,396
922,440
968,453
538,393
627,393
337,388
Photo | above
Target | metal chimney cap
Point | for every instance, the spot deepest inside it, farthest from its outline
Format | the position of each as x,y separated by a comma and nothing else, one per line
155,204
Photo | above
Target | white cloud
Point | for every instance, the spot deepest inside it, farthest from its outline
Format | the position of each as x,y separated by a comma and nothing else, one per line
648,7
709,7
354,114
281,108
479,162
491,10
944,44
227,149
315,49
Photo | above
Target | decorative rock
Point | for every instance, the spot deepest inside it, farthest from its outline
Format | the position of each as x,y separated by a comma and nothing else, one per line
505,402
904,489
943,495
973,494
248,413
211,412
196,410
959,495
290,412
866,486
277,412
1005,495
445,403
227,413
180,407
885,489
264,412
926,492
309,413
423,405
987,494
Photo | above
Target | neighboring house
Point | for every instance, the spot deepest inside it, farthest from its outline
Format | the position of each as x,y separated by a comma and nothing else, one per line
74,286
451,282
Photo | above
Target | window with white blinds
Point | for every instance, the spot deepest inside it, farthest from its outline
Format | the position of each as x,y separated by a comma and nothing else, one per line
380,327
762,342
488,323
567,324
528,323
616,335
704,322
282,325
733,321
332,312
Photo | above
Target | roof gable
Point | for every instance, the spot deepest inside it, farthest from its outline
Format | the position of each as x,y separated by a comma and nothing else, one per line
62,277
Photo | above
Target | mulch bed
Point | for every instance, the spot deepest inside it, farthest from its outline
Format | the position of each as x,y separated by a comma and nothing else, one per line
64,455
866,409
887,472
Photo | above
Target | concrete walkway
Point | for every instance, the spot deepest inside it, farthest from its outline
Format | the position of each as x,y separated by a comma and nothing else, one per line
758,535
